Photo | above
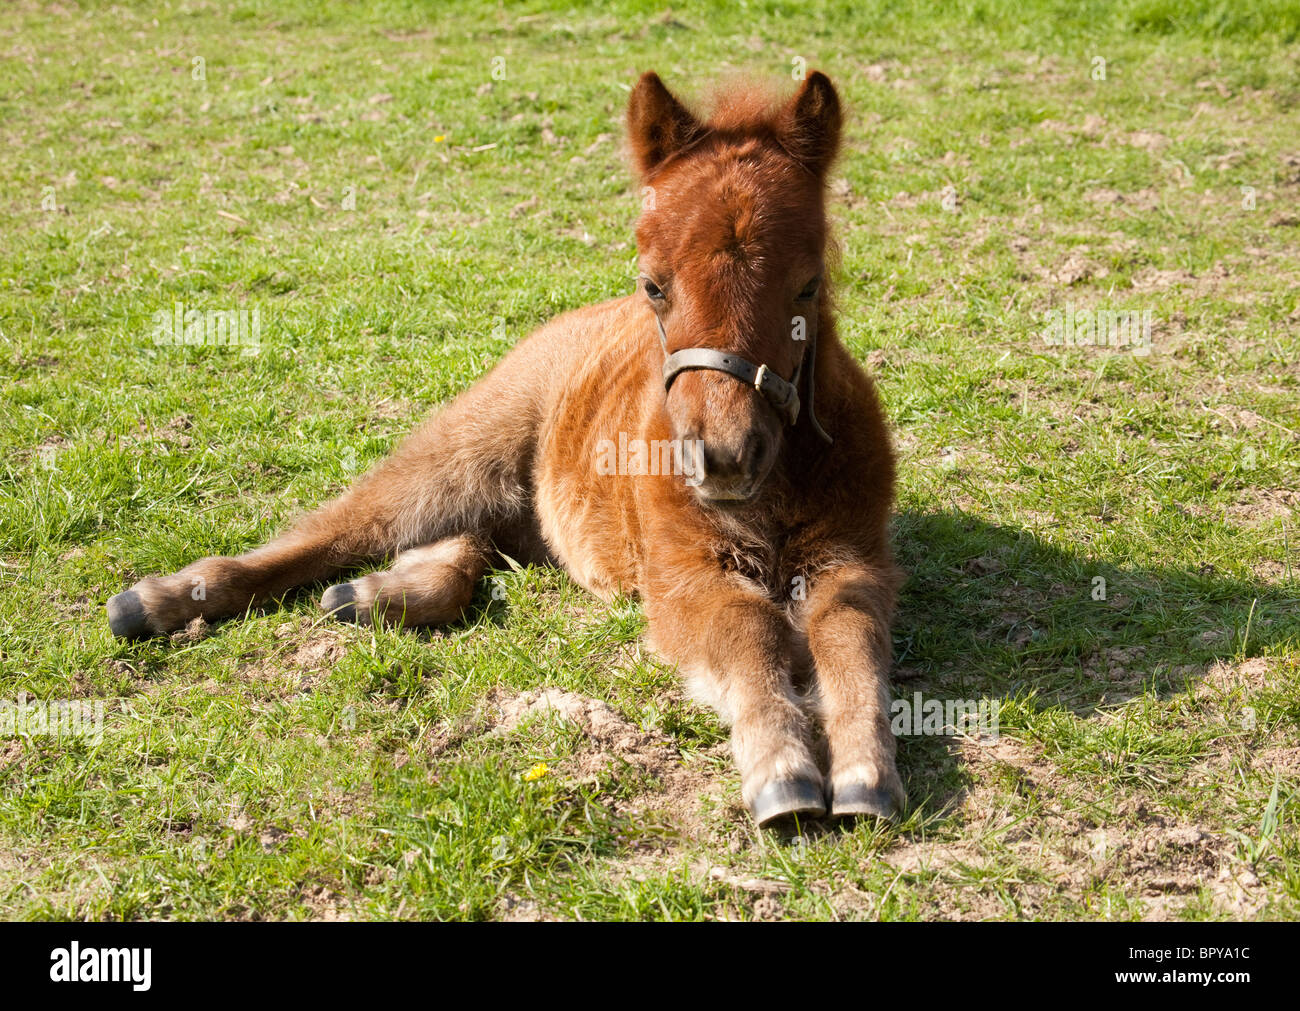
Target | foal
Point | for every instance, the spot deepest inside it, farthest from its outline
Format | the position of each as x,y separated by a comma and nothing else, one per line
763,561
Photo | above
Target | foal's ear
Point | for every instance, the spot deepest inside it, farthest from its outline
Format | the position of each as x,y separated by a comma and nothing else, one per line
658,126
810,123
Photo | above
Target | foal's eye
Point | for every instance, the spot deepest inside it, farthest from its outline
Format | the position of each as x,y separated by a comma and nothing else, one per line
653,291
810,289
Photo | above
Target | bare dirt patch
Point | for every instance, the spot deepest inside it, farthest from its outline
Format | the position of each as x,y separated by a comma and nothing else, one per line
1076,269
1254,674
1281,762
1262,505
1063,851
10,751
612,740
1147,140
684,787
310,652
326,905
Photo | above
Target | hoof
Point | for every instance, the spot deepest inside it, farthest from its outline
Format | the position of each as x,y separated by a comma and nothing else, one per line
126,617
856,799
340,601
784,797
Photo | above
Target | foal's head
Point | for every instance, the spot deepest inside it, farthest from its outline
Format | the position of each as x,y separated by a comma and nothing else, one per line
732,243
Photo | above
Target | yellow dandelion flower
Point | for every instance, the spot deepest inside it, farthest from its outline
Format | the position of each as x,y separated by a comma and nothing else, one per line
440,138
536,772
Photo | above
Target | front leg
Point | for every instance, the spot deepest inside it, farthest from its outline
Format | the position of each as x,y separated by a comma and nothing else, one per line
848,613
734,647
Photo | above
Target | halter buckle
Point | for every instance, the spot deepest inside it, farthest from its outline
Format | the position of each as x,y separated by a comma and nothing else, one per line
783,396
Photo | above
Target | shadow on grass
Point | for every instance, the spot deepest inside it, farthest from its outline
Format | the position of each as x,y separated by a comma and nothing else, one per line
994,613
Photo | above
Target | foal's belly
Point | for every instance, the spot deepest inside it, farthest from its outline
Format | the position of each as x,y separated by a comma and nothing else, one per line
587,515
588,519
588,539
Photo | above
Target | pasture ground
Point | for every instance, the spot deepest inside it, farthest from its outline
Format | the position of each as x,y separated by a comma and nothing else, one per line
399,217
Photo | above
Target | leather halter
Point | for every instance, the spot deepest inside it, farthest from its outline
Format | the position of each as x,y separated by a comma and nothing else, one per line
782,395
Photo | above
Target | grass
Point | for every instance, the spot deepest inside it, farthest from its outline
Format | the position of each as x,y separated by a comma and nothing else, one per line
400,218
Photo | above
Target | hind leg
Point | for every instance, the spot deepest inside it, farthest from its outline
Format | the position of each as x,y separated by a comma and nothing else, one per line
467,469
429,585
369,522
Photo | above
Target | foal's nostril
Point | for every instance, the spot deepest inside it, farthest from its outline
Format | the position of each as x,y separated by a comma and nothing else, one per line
752,461
721,462
728,462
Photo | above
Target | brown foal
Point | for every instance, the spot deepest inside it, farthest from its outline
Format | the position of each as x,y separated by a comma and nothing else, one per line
706,443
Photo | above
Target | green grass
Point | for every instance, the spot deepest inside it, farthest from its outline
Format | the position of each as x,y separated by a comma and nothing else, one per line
285,767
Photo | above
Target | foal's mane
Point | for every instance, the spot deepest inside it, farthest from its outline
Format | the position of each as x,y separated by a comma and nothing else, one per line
743,104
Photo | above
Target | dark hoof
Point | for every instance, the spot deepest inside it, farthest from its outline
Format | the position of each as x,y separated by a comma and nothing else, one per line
856,799
340,601
126,617
785,797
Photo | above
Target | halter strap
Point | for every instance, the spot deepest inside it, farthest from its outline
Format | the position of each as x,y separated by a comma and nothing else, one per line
782,395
